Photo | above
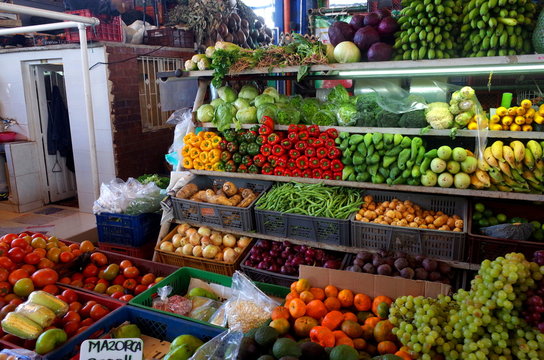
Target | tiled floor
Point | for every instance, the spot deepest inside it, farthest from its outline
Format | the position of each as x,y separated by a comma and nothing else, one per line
61,221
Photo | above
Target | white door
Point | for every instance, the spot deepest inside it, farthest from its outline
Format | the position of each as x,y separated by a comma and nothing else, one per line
60,182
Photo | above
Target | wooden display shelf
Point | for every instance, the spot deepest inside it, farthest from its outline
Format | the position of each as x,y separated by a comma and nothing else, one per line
346,249
535,135
367,185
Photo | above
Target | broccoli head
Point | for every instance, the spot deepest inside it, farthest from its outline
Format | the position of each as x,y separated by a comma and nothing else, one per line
413,119
367,103
387,119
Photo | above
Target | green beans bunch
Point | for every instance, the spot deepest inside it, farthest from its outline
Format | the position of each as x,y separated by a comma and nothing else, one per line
312,199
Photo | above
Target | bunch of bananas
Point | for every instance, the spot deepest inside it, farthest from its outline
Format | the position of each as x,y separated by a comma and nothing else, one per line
428,29
515,167
517,118
497,27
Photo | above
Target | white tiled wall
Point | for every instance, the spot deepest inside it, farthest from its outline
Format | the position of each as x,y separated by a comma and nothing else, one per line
13,105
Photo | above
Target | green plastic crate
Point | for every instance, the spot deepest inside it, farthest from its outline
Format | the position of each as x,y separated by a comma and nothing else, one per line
179,280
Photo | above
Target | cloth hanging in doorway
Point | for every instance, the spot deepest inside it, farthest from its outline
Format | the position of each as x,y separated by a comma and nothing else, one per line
97,7
58,129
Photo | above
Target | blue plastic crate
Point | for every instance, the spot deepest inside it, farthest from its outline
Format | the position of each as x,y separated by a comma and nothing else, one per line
128,230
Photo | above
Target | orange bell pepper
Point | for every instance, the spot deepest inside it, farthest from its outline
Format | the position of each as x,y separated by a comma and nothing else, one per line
187,163
194,153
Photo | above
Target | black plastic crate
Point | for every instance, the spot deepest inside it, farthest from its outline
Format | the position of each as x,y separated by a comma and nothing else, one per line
228,217
127,230
438,244
303,227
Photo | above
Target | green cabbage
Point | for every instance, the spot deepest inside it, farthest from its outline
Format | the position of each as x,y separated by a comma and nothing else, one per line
309,107
216,102
241,103
263,99
205,113
247,115
270,91
224,116
347,114
248,92
288,115
338,95
227,94
323,118
269,110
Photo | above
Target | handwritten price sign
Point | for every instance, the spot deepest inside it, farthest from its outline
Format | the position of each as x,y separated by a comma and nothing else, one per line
112,349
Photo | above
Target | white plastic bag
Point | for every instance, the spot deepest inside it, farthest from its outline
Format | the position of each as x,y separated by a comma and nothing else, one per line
222,347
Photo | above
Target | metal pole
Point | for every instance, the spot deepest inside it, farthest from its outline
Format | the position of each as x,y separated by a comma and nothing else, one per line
37,28
89,108
19,9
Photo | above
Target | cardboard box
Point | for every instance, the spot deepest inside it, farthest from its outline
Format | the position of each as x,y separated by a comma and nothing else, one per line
372,285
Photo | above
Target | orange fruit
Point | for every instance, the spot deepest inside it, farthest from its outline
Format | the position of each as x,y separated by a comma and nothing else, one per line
372,321
303,325
318,293
333,319
403,355
383,331
292,295
332,303
350,316
322,336
387,347
362,302
316,309
352,329
280,312
281,325
86,246
371,349
345,341
306,296
338,334
302,285
359,344
331,291
368,332
293,286
346,298
297,308
378,300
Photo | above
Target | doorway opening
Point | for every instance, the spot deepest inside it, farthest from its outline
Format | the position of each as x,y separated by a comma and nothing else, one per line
52,133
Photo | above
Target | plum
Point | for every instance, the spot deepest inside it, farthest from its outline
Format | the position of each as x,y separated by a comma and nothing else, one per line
407,273
359,262
377,260
389,261
364,255
434,276
444,268
354,268
384,269
421,274
401,263
369,268
429,265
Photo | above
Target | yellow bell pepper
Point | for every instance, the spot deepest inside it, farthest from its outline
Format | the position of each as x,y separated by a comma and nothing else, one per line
198,165
195,152
186,151
215,141
187,138
208,135
203,156
208,167
213,156
205,145
195,141
187,163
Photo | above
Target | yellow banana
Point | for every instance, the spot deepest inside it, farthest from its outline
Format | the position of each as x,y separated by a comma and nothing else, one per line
483,165
475,182
529,159
504,188
535,148
496,150
508,155
489,158
509,181
495,176
519,150
505,168
483,177
529,176
540,165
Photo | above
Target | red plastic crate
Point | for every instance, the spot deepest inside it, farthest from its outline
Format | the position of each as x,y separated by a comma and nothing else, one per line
141,252
110,28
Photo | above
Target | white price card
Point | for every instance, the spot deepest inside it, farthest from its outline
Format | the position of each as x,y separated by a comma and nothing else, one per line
112,349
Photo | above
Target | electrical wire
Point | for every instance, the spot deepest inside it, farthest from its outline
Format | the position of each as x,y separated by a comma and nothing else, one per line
125,60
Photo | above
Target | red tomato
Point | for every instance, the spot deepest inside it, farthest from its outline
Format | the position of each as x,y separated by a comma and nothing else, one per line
8,238
16,301
85,311
91,280
130,284
66,257
103,281
131,272
28,268
89,286
87,322
82,329
99,259
77,276
90,270
32,258
28,249
17,275
76,253
119,280
70,295
45,277
71,328
77,283
117,294
126,297
4,273
3,249
6,309
6,263
61,297
73,247
45,263
65,280
5,288
22,235
52,289
125,264
16,254
19,242
75,306
148,279
139,289
71,316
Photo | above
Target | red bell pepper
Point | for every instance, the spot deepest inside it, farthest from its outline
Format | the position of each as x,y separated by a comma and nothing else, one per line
279,171
242,168
294,153
268,121
265,130
296,172
287,172
282,161
314,162
323,136
286,144
302,162
307,173
334,152
269,170
322,152
327,175
329,142
266,149
303,135
273,139
332,132
292,128
259,160
301,145
311,141
324,164
314,130
301,127
273,160
317,173
337,175
336,165
309,152
291,164
223,144
318,143
293,136
278,150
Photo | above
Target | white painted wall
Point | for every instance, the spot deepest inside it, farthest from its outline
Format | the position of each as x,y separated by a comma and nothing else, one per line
15,66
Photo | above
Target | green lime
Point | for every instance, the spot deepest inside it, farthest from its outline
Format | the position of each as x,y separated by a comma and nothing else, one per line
502,218
493,221
483,222
536,225
479,207
488,213
476,216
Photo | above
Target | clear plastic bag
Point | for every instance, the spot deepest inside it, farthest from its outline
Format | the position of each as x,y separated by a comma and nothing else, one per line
224,346
248,306
130,197
183,119
176,304
204,308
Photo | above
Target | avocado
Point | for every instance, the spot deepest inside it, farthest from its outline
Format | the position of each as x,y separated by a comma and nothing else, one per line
251,333
286,347
344,352
265,336
313,351
289,357
249,349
